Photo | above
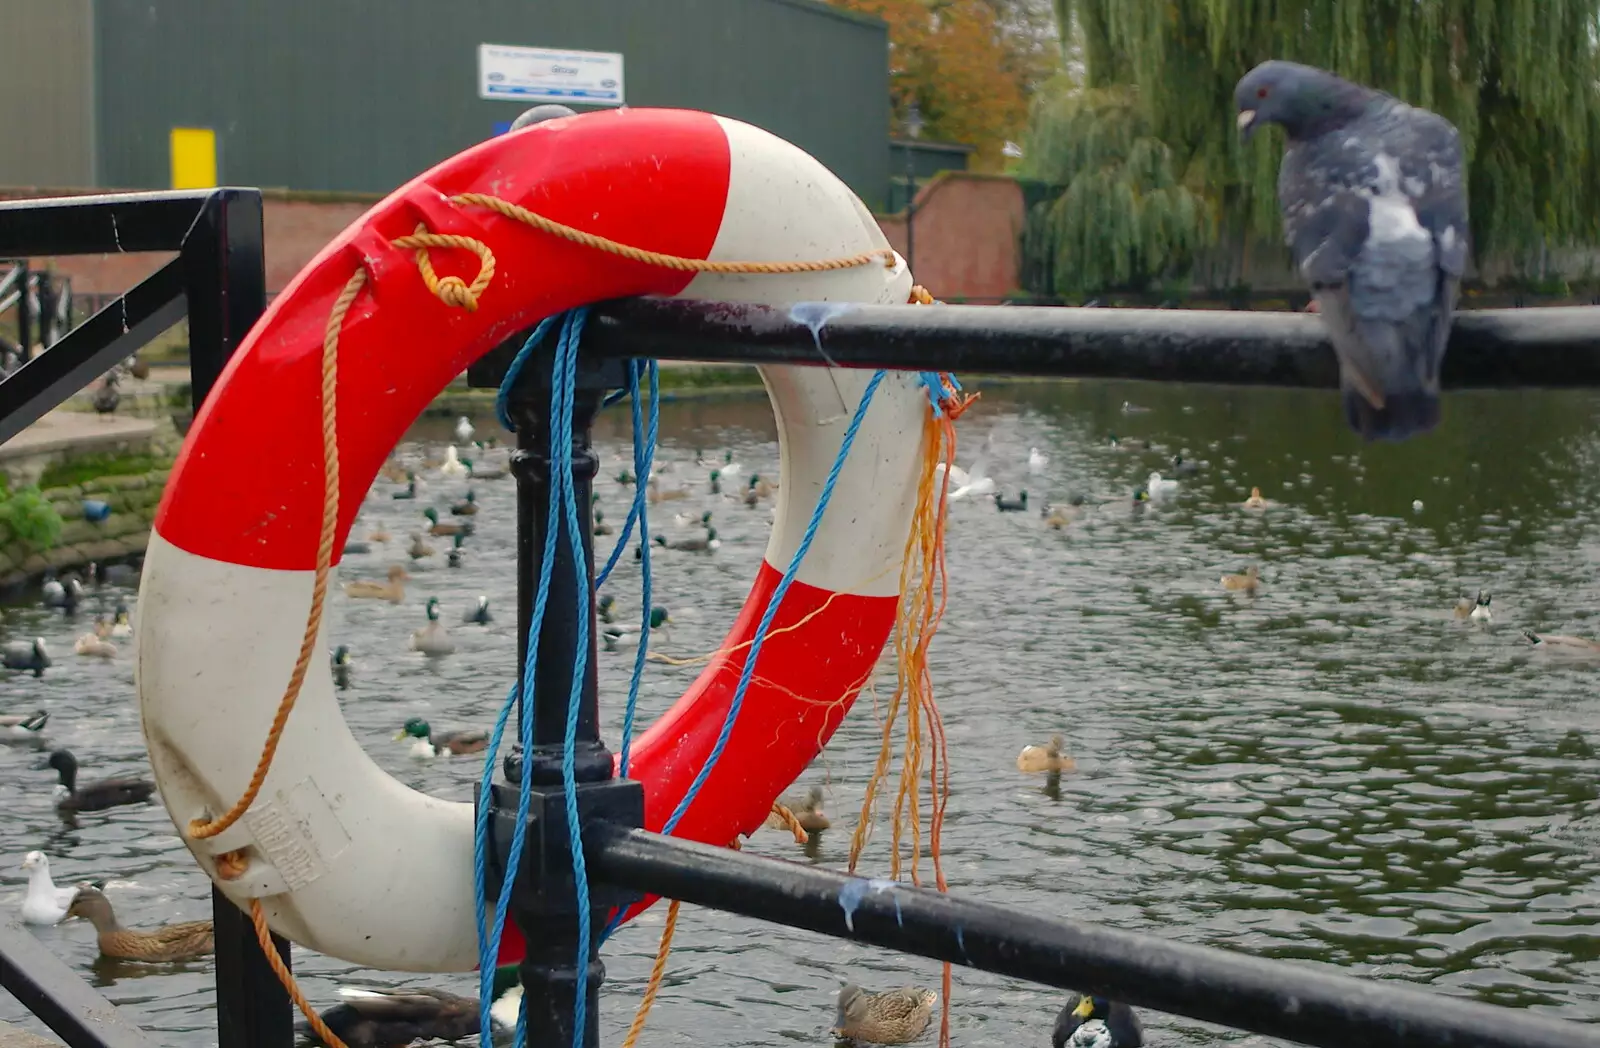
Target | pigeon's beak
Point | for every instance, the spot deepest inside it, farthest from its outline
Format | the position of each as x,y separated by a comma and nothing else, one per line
1247,123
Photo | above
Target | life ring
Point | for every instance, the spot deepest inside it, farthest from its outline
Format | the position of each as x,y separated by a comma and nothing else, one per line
344,859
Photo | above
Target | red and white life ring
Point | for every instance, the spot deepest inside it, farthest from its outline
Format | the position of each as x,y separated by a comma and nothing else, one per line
345,859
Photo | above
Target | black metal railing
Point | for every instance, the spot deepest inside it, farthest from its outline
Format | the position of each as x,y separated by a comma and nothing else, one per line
218,278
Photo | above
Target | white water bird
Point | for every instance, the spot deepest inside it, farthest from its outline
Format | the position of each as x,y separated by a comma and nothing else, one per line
1036,460
1158,486
453,466
464,430
44,903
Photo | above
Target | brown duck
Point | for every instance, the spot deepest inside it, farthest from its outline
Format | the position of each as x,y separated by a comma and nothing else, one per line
173,942
808,812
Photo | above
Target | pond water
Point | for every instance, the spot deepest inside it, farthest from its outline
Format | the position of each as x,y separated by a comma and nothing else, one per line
1335,770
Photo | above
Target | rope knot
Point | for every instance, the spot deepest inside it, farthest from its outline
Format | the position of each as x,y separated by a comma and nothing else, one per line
231,865
453,291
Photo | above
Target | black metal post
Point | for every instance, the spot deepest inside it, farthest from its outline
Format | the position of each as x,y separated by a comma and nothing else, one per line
225,281
1274,998
24,338
544,901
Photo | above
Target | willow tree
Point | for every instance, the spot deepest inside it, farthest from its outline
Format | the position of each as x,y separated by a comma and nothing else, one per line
1518,77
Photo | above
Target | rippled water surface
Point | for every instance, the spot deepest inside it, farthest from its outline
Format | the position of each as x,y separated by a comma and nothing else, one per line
1333,771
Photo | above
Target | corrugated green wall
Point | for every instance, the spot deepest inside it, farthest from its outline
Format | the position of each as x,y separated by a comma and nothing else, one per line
363,94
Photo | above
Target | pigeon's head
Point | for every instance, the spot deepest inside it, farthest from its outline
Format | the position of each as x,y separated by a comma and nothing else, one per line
1302,99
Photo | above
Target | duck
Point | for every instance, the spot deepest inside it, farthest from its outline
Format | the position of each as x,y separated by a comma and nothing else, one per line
600,525
1159,485
603,606
464,430
392,471
1562,644
368,1017
379,535
684,520
24,726
1183,468
63,595
477,472
1248,581
1129,408
455,527
44,903
172,942
26,655
759,488
393,591
98,795
478,614
467,507
1255,501
655,493
716,482
452,465
891,1017
694,543
341,665
95,645
120,626
625,478
432,638
1473,608
418,548
410,490
1097,1022
1057,517
1046,758
727,467
626,635
807,812
1480,612
356,548
1037,460
429,743
452,555
1016,505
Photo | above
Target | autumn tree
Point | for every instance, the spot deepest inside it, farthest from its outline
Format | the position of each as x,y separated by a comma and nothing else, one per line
970,66
1518,77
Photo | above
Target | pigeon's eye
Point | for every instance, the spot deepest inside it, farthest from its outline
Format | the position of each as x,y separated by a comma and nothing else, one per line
1261,92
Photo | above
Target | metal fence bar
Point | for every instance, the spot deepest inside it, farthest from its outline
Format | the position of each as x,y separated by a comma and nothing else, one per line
55,993
1274,998
1552,347
112,223
87,352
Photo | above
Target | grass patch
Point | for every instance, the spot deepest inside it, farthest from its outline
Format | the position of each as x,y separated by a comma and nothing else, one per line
710,376
92,467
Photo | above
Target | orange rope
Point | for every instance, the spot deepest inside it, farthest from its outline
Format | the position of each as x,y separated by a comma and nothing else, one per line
657,971
264,936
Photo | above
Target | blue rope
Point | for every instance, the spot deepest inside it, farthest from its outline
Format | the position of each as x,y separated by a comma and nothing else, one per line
643,457
931,380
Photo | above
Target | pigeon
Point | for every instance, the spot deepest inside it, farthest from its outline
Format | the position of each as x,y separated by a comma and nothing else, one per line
1375,214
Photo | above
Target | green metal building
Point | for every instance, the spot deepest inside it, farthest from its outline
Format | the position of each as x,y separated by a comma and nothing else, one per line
361,95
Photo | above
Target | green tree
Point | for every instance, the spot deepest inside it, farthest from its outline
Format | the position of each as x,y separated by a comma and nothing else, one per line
1517,77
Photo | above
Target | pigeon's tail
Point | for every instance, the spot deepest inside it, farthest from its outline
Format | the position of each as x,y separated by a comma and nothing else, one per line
1404,414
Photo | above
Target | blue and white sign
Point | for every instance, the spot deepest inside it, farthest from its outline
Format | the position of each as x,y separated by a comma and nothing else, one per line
541,74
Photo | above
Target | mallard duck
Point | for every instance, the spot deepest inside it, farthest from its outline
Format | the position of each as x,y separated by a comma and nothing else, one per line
655,493
727,467
455,527
393,591
44,903
341,665
120,626
1045,758
1097,1022
452,466
379,535
95,645
716,482
26,655
807,812
1476,610
62,594
1181,467
418,548
694,543
684,520
452,555
600,525
626,635
98,795
891,1017
1255,501
625,478
174,942
373,1018
467,507
25,726
431,744
1016,505
464,433
1565,645
410,490
477,472
478,614
757,490
1248,581
432,638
